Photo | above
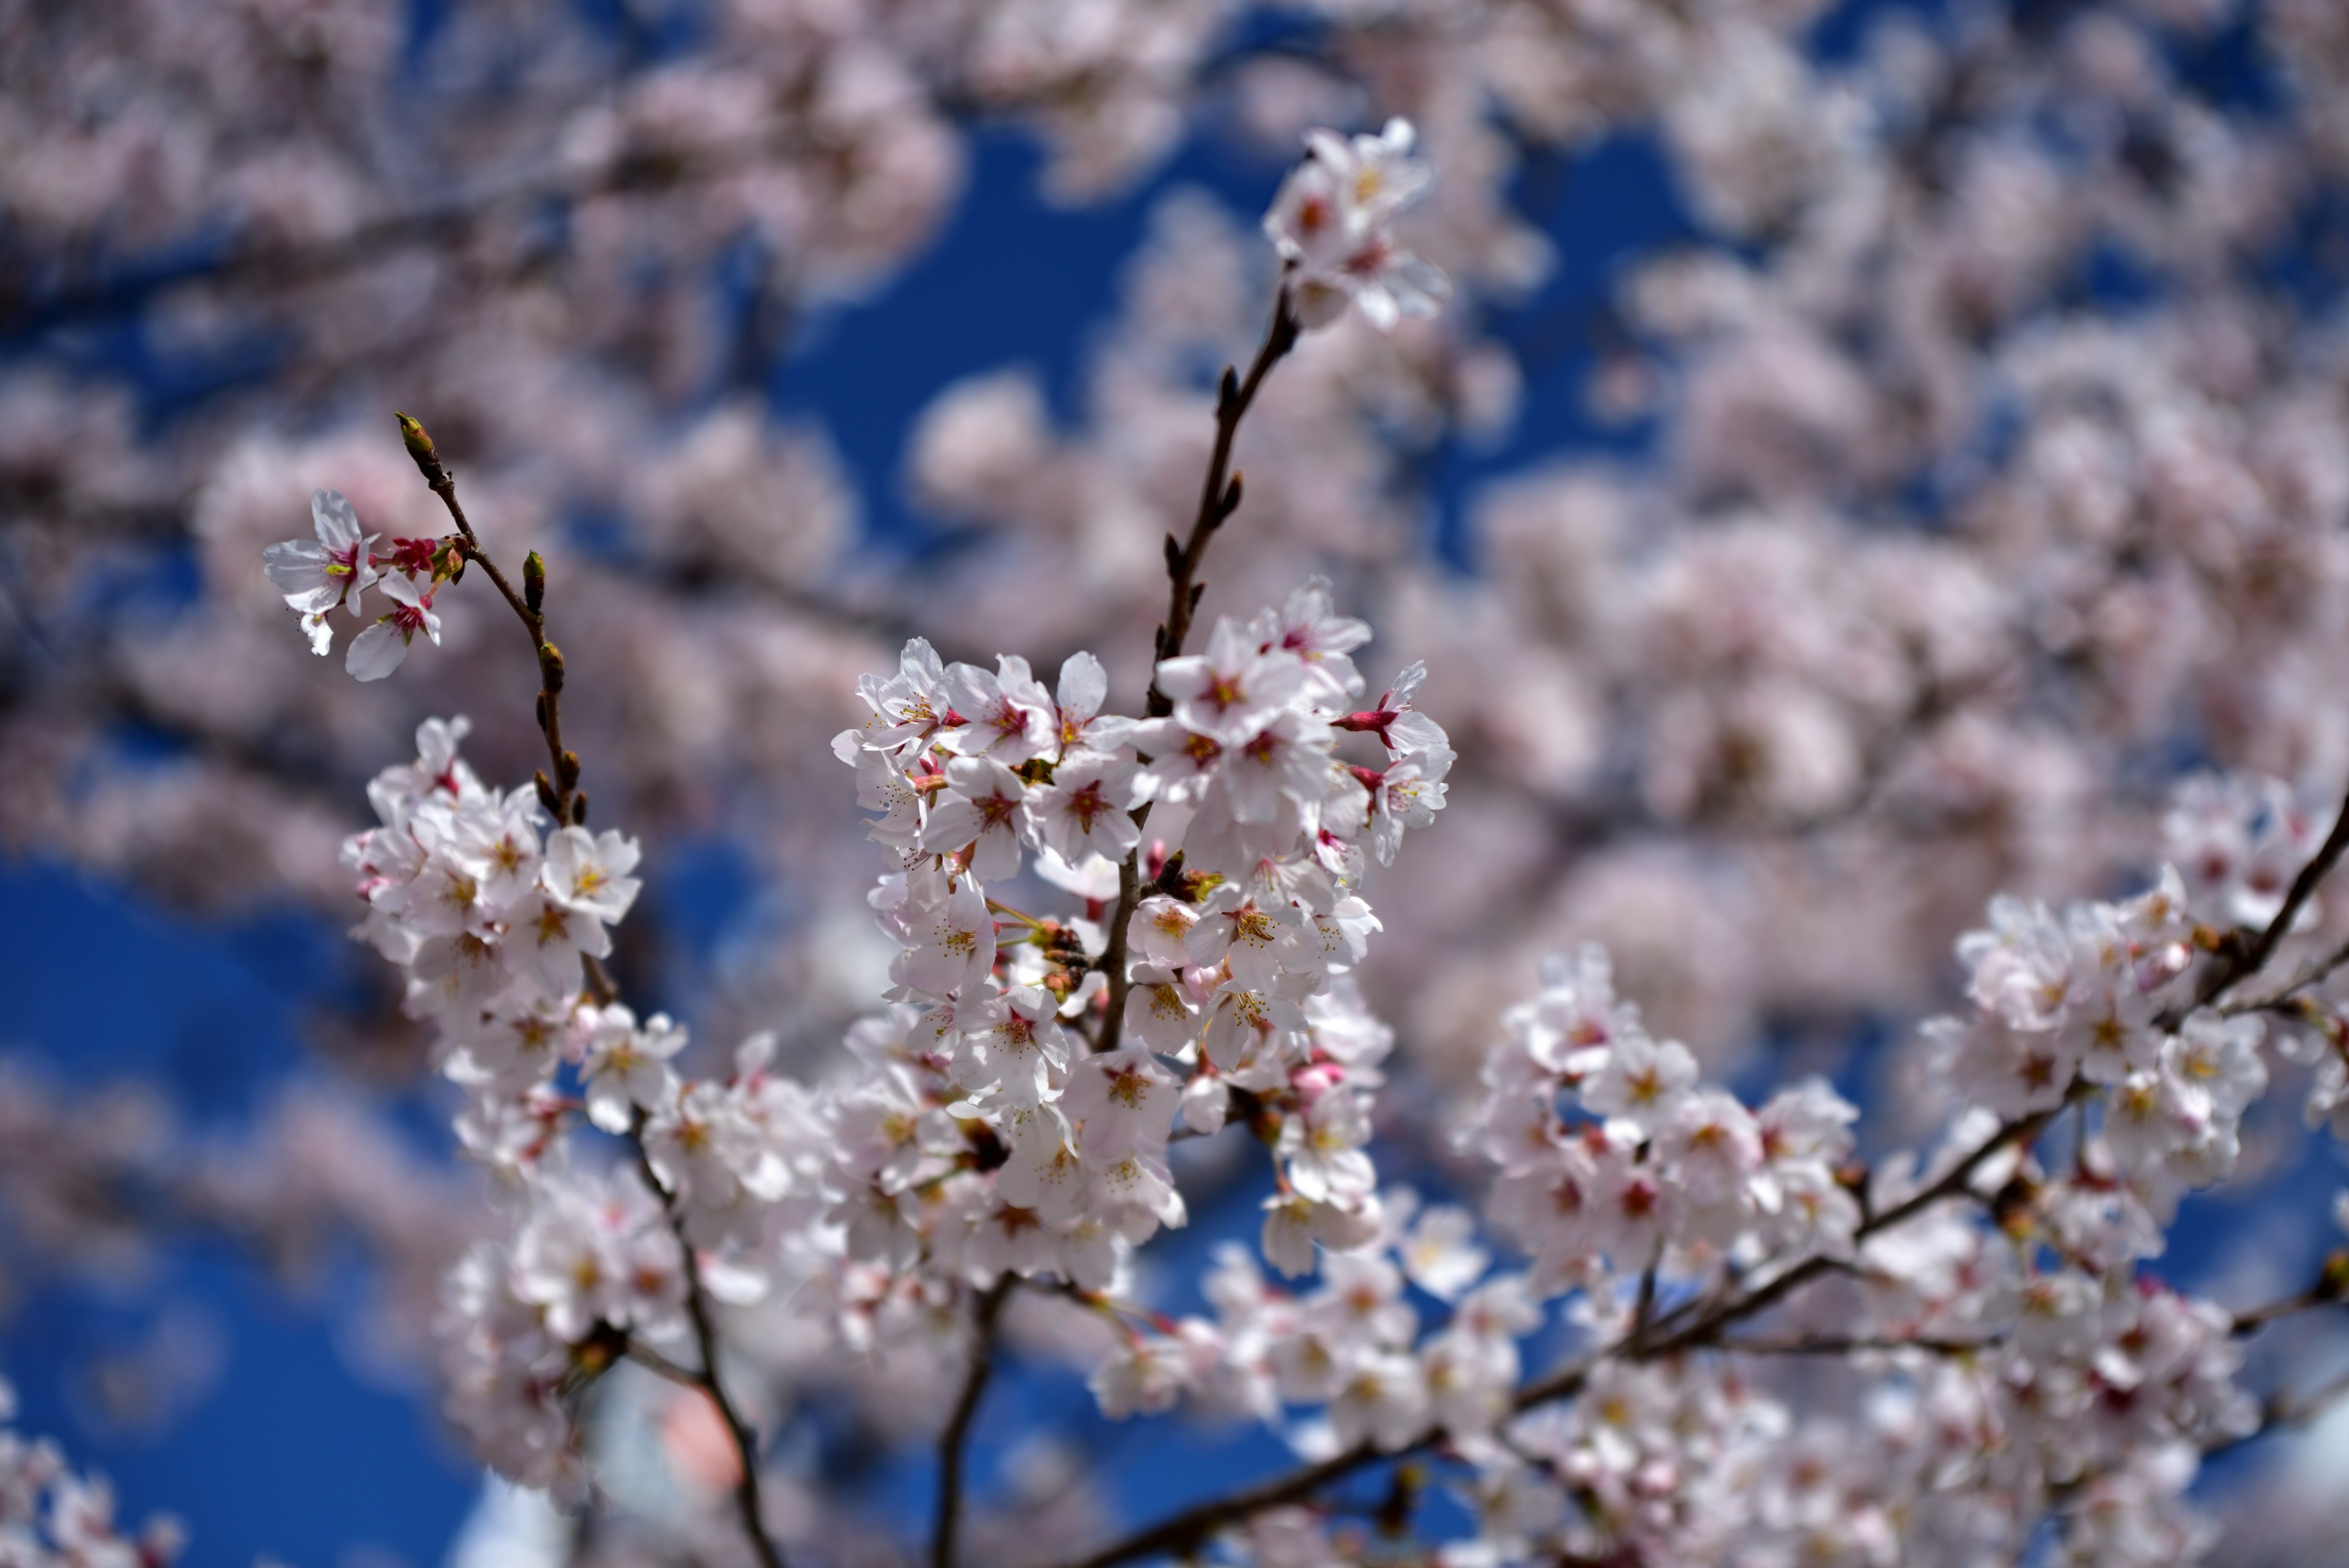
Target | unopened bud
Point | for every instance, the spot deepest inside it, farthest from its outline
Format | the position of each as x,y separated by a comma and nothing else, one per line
546,796
550,665
579,809
418,442
1231,499
534,581
566,769
2335,1282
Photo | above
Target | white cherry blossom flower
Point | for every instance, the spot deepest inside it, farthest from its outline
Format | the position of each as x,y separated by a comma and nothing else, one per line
317,577
377,651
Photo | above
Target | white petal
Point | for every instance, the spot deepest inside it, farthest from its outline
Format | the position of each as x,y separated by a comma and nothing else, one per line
375,653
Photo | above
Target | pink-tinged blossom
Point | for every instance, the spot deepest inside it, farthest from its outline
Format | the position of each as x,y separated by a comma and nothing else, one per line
1285,763
1332,223
1231,691
377,651
1247,938
317,577
1323,1147
1159,1009
953,943
1642,1080
904,711
982,809
1124,1100
1016,1046
1087,809
626,1068
1407,795
1007,715
589,872
1402,729
1079,724
1306,624
1160,931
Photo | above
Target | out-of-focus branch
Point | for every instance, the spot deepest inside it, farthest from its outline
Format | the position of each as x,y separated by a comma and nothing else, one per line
2237,960
1852,1344
984,1310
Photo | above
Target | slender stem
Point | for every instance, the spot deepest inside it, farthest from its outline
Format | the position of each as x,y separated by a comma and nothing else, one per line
747,1502
2252,1320
1219,491
2240,960
559,784
1703,1328
569,807
1848,1345
2285,997
984,1311
1219,497
653,1361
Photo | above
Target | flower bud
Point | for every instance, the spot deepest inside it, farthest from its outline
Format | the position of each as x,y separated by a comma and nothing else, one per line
534,581
418,442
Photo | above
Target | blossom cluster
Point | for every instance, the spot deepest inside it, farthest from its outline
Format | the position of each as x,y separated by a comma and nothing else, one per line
53,1517
2002,1352
1013,1119
336,570
1614,1160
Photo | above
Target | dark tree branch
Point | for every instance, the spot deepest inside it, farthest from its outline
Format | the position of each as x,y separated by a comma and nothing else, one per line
1191,1528
1219,497
2237,960
984,1310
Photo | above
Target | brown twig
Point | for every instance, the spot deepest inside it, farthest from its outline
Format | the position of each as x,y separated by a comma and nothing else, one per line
2325,1293
747,1501
2286,998
1219,497
984,1311
562,797
558,787
2237,960
1852,1344
1194,1526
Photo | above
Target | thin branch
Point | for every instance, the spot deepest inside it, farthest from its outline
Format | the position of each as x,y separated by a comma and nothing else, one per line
1851,1345
653,1361
2323,1293
1219,497
1191,1528
2239,960
2280,1412
747,1502
984,1311
561,795
2287,997
558,786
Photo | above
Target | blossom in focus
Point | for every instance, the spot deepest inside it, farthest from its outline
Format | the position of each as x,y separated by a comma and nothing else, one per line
377,651
334,570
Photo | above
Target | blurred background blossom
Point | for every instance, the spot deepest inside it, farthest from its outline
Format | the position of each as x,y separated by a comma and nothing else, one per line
1876,449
